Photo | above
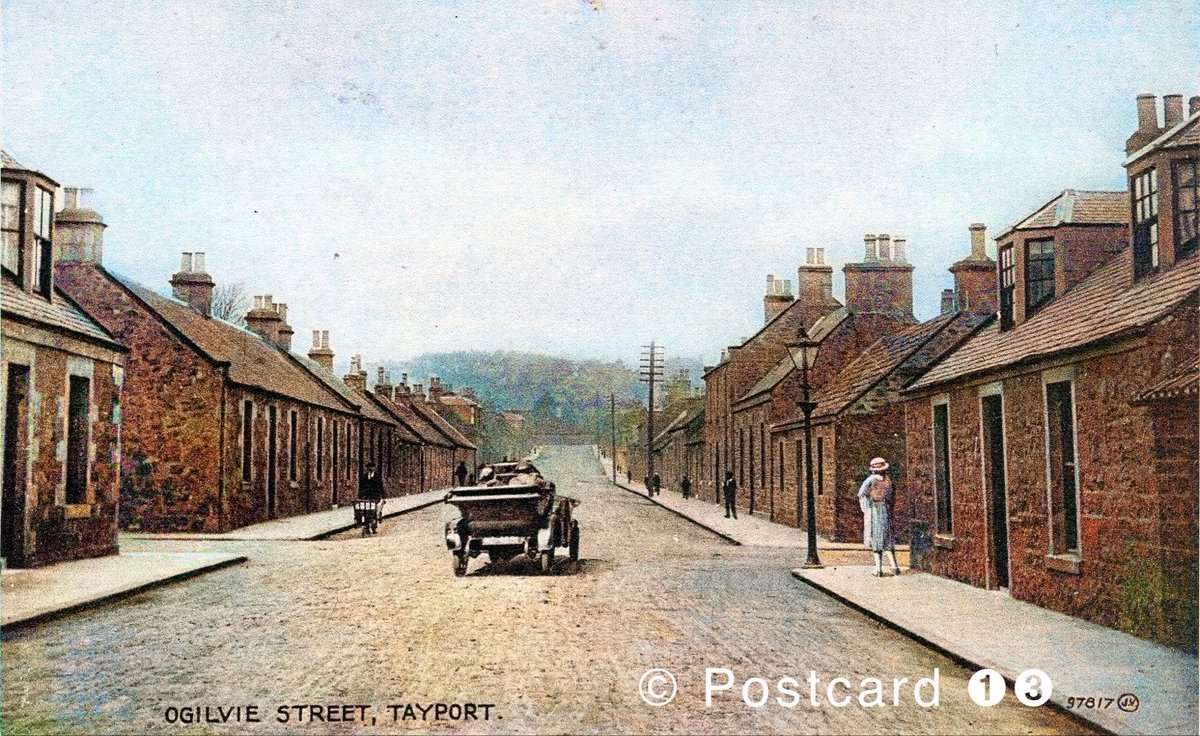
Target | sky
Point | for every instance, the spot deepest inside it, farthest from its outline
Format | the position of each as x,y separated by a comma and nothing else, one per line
563,176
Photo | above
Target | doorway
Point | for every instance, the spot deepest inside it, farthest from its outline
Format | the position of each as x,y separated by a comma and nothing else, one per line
16,444
993,444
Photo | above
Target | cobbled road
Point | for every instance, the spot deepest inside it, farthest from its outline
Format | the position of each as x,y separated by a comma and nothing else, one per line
382,621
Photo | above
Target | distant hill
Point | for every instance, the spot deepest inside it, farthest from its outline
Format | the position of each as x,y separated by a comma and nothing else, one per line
542,385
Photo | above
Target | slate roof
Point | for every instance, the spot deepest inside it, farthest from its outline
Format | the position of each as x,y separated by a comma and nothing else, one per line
877,362
446,428
832,303
9,162
421,427
1186,133
365,405
252,361
820,330
1106,305
59,314
1077,207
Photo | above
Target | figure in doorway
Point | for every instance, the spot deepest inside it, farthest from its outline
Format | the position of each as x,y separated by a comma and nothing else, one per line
460,473
685,485
655,485
879,494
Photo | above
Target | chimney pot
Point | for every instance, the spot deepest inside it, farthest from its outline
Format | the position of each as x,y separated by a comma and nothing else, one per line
884,245
1194,105
820,256
1147,115
898,247
1172,110
872,252
198,262
978,241
947,301
186,265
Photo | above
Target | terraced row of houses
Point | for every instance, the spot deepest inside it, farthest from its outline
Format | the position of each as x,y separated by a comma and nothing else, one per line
1042,428
127,408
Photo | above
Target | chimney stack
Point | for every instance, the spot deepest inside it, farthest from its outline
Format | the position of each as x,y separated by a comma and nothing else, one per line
320,352
79,229
1172,110
356,378
192,285
383,383
284,332
975,276
777,299
1194,105
1147,123
435,388
814,287
880,285
263,319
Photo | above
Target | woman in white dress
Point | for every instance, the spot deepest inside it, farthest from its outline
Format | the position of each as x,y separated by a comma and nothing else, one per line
875,496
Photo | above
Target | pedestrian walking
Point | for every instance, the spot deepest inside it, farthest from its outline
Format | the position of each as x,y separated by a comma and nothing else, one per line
460,473
656,484
730,491
628,476
879,493
685,485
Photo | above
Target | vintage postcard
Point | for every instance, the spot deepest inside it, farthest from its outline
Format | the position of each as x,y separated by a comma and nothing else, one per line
407,367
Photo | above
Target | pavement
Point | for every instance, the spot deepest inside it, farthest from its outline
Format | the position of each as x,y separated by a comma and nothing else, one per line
38,594
749,530
304,528
990,629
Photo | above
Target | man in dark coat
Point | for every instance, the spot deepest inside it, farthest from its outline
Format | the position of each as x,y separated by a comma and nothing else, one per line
460,473
685,485
656,484
730,490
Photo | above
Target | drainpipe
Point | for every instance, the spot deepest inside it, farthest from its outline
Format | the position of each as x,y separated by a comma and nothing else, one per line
221,444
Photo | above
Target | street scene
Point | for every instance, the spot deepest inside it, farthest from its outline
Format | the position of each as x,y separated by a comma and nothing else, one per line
382,620
410,367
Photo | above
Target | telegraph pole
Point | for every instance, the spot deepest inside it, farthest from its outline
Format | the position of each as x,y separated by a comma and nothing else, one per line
612,402
651,371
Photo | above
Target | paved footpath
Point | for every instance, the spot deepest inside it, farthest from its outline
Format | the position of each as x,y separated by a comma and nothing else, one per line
33,595
40,593
748,530
986,628
303,528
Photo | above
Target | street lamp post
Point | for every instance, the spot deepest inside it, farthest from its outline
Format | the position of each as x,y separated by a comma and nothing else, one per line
804,355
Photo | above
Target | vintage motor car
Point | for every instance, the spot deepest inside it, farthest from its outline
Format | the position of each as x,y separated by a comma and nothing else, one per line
512,511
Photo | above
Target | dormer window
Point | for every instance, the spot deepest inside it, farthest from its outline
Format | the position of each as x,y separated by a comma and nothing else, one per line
1039,274
1145,222
10,228
1187,205
1008,284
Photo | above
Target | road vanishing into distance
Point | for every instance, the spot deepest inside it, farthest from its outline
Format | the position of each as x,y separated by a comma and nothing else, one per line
370,635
